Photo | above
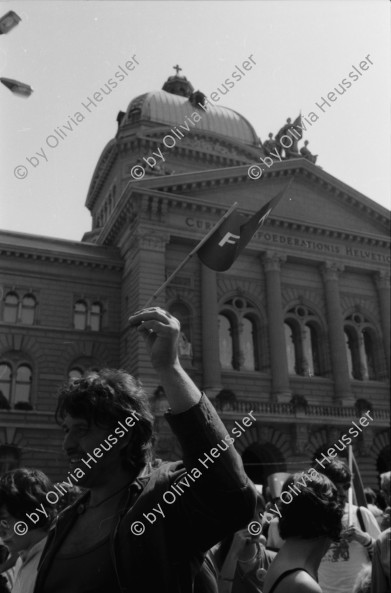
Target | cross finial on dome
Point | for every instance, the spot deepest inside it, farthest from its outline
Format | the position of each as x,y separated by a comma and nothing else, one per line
178,85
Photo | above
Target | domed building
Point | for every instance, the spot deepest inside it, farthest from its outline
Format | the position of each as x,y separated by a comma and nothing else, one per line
296,331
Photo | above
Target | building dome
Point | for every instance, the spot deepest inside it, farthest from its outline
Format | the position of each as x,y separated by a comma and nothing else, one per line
171,109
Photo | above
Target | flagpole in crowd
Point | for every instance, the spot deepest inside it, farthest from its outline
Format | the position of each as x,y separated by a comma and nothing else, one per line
350,492
190,255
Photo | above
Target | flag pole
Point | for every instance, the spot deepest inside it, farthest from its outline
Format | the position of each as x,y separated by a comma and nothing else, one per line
350,492
190,255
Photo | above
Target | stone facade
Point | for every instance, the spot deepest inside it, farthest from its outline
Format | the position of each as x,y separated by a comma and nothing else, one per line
322,255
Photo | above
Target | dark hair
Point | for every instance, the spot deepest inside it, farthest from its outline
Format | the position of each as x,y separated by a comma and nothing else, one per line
336,470
370,495
105,398
22,491
313,510
4,553
72,494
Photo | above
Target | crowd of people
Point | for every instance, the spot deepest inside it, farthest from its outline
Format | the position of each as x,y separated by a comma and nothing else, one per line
124,521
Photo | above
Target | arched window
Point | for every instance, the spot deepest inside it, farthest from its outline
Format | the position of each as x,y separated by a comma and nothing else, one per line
134,115
23,384
369,349
16,381
302,340
352,353
96,317
82,367
239,335
290,349
11,304
248,343
225,342
9,458
28,309
6,380
182,312
311,346
361,346
87,315
80,315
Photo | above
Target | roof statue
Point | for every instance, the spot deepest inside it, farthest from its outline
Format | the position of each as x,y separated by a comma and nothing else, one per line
197,99
288,136
270,146
305,152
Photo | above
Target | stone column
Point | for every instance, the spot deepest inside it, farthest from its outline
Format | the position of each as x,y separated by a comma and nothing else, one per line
299,437
337,342
275,324
144,256
210,332
382,280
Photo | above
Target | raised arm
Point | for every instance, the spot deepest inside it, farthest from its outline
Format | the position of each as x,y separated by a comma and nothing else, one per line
160,331
217,495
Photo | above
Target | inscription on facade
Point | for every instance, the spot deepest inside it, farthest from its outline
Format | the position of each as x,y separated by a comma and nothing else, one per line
310,244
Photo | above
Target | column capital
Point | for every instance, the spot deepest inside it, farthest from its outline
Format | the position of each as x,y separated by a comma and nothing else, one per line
331,270
382,279
272,261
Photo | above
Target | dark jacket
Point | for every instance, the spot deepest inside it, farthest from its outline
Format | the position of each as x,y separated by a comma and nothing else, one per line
200,509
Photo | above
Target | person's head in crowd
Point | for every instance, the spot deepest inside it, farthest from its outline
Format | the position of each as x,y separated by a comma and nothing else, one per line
363,581
338,472
314,512
370,495
381,501
385,481
93,411
22,492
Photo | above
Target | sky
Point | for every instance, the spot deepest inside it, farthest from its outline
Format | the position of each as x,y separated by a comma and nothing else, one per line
67,50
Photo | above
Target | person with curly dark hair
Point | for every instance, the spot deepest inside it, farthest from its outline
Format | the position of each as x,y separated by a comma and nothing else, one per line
345,558
22,491
142,525
310,520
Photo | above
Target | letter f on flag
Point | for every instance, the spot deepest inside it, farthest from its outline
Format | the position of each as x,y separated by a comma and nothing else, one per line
223,247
